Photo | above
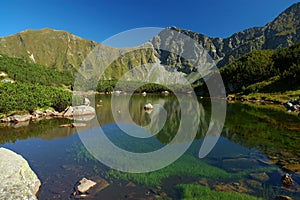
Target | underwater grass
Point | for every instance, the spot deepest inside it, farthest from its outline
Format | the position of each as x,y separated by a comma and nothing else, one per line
188,166
198,192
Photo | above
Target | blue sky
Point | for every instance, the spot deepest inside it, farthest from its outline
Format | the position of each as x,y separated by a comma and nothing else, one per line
98,19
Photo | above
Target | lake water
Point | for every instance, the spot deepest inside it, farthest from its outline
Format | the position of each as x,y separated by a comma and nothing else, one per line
240,162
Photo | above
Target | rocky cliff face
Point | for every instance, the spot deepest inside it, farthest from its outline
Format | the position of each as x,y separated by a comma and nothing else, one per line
281,32
65,51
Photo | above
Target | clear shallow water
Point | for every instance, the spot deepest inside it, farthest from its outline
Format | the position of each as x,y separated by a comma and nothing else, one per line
236,163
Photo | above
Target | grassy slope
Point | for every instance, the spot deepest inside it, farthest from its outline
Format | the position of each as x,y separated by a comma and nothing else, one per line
260,74
36,87
26,72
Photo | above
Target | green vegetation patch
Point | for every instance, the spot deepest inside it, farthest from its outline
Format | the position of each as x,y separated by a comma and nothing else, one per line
28,97
264,71
269,129
26,72
188,166
193,191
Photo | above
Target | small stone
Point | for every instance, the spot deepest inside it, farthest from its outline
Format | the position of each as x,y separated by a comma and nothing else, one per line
236,184
85,185
203,181
253,183
287,180
130,184
148,106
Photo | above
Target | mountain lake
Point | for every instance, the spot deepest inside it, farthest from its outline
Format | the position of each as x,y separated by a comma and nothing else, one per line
254,151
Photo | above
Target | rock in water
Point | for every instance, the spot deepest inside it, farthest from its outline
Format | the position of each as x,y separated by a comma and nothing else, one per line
79,111
17,180
85,185
148,106
287,180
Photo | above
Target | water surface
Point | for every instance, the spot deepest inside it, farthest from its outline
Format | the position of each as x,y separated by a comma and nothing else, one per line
240,161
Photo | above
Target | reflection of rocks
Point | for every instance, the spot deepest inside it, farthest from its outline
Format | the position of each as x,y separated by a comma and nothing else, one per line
73,125
19,125
16,125
262,177
83,118
17,180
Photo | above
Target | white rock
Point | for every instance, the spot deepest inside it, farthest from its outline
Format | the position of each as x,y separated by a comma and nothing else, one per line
85,185
17,180
148,106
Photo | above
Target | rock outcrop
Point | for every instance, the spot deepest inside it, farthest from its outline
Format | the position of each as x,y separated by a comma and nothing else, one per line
82,110
279,33
17,180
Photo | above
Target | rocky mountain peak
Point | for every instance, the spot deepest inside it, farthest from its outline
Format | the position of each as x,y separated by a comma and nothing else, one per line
65,51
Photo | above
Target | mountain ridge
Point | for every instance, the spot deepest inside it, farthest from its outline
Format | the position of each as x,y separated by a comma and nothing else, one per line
65,51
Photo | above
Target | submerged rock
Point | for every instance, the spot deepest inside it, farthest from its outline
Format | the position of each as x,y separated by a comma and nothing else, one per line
88,188
238,186
292,167
262,177
284,197
17,180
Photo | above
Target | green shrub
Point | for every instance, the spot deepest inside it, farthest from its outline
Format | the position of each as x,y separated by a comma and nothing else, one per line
22,96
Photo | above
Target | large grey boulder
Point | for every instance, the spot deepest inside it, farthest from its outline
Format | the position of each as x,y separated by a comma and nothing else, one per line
17,180
82,110
21,118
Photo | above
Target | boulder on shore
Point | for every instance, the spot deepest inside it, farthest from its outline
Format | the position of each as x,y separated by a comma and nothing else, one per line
17,118
21,118
17,180
79,111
